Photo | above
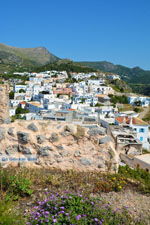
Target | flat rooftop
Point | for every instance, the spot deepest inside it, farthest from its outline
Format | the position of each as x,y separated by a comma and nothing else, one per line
145,158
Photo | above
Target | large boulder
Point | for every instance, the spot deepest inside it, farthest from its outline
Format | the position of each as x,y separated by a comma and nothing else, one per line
54,137
12,149
97,131
11,132
32,127
77,153
40,139
104,140
71,128
44,151
85,161
23,137
64,153
24,150
60,147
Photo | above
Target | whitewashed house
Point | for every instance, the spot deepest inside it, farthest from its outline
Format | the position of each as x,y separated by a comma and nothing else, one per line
141,100
139,126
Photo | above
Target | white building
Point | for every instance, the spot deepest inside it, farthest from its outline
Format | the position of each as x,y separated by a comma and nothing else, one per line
17,88
139,126
142,100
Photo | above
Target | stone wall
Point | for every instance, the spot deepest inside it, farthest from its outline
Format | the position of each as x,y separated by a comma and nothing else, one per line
4,104
57,145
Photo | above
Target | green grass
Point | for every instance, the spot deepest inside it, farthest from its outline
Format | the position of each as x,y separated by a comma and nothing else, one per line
147,116
8,215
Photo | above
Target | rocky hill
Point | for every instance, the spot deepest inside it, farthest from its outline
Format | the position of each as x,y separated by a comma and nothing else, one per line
29,57
57,145
138,78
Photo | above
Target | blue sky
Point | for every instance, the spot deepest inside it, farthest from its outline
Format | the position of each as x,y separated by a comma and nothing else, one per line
83,30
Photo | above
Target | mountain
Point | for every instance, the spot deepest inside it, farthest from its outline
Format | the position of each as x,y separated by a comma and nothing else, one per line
11,57
138,78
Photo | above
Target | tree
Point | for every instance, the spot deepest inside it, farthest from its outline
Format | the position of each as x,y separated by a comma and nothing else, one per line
19,110
21,91
11,95
138,103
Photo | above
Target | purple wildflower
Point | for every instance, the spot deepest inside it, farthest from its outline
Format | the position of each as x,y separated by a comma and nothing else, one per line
61,212
78,217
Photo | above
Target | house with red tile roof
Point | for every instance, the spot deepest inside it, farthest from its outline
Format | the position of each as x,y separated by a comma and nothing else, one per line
139,126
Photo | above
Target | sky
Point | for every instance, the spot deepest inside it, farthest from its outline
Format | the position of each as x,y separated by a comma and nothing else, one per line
117,31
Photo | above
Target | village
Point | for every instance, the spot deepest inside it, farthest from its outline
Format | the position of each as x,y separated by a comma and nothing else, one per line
85,99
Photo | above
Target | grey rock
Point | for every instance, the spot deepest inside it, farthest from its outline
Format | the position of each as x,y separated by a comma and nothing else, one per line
57,156
32,127
101,165
40,139
60,147
23,137
54,137
44,151
2,133
11,149
85,162
59,160
65,133
71,160
51,161
7,121
11,132
97,131
24,150
59,126
64,153
77,153
47,148
100,162
104,140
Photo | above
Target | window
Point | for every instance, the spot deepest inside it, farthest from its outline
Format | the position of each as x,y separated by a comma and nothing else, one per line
141,138
141,130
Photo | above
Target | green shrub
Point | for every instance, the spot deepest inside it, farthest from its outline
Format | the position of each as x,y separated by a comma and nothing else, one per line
118,99
20,110
140,175
14,186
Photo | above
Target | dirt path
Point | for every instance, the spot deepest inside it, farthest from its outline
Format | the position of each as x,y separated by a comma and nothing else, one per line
137,205
145,111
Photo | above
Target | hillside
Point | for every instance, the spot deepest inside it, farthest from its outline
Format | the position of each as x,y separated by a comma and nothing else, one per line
12,57
138,78
65,64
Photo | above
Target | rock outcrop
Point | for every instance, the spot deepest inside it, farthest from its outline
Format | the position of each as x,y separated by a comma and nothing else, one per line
51,144
4,104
